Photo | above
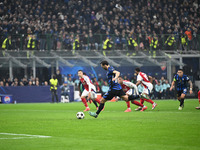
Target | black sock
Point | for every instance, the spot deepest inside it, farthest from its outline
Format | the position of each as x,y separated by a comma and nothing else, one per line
181,102
100,108
95,103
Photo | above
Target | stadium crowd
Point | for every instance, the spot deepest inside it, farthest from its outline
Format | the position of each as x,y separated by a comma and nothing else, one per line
102,24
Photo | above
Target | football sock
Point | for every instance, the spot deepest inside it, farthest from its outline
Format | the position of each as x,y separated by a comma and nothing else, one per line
84,102
141,100
95,103
181,102
137,103
128,104
100,108
199,96
149,100
97,100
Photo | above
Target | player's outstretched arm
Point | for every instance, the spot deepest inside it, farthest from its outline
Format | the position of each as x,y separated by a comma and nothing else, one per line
138,82
172,85
190,82
117,73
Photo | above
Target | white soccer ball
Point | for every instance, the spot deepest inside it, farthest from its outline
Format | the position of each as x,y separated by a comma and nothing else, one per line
80,115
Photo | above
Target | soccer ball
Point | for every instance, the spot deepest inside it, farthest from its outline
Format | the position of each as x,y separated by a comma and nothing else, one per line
80,115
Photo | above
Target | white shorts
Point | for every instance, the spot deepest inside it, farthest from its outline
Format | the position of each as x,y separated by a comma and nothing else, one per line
131,92
93,94
148,90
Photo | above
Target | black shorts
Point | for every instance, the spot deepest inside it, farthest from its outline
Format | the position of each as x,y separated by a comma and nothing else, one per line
112,93
184,91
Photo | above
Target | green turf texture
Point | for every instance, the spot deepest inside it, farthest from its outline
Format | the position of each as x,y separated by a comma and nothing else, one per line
165,128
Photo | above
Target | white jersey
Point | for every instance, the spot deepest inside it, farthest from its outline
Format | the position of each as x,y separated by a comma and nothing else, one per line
144,79
130,88
87,83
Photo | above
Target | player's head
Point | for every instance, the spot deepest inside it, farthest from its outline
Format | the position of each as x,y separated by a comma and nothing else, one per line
120,80
180,72
104,65
137,70
80,73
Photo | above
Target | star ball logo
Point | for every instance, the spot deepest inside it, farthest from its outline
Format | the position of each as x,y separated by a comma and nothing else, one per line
6,99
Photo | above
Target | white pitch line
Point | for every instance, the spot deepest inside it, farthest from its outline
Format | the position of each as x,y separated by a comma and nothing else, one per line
26,136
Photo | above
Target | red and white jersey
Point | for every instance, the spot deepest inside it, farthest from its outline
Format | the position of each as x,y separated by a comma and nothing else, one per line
87,83
127,85
144,79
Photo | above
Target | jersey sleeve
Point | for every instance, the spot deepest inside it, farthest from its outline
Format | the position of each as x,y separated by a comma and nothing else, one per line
187,78
111,69
174,78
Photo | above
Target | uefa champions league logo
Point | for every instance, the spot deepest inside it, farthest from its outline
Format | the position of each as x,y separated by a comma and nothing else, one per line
6,99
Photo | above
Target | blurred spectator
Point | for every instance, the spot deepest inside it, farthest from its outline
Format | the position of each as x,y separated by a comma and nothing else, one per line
59,77
166,91
46,83
70,82
37,83
158,90
105,88
65,89
1,83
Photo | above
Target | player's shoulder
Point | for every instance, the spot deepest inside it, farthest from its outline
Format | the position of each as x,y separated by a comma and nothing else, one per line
176,76
185,77
111,68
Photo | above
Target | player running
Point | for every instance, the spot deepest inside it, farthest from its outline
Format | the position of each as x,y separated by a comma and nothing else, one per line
115,88
148,87
132,91
181,81
199,100
89,90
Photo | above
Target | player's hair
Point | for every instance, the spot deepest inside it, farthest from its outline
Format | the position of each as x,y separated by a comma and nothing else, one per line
80,70
104,63
180,69
137,69
120,77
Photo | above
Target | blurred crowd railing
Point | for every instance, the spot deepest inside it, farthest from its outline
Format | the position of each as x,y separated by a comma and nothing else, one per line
99,42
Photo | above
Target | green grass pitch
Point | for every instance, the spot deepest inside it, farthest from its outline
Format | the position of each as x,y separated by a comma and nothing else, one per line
165,128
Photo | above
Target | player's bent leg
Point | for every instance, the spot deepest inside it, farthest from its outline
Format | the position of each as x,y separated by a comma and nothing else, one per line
128,107
85,103
182,97
142,102
95,114
125,98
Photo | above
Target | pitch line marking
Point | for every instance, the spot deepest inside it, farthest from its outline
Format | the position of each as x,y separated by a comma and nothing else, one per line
25,136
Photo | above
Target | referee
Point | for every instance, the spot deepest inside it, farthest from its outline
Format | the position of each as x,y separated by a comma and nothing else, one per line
53,88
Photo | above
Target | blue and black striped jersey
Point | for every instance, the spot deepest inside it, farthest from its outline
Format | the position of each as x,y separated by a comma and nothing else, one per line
181,82
112,84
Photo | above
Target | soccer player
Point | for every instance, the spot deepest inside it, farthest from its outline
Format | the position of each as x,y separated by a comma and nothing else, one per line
181,81
89,89
115,88
199,100
143,79
132,91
